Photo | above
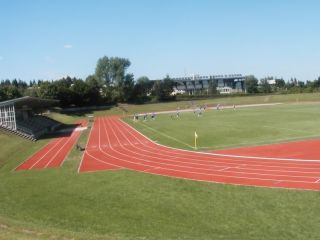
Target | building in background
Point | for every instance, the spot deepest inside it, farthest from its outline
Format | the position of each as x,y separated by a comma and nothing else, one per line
225,84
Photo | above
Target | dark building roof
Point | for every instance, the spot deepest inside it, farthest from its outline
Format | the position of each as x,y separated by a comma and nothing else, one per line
30,102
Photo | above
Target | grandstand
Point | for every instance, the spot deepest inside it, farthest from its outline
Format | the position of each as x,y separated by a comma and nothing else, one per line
24,117
225,84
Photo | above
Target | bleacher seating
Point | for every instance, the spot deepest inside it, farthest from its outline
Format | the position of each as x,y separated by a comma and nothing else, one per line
37,126
16,132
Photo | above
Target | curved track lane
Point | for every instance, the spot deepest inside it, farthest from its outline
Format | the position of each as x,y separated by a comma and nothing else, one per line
114,144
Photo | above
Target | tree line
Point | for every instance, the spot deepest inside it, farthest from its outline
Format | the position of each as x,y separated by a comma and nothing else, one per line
111,83
279,85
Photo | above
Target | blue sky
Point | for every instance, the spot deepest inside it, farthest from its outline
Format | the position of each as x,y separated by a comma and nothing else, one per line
51,39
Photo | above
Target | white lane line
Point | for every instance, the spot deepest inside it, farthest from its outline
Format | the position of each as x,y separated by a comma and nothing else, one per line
228,155
194,168
167,136
233,157
87,143
237,184
225,182
212,175
53,158
218,161
236,166
31,156
106,163
46,153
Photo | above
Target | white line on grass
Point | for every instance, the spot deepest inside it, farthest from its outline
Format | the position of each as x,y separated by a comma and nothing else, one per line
166,135
227,155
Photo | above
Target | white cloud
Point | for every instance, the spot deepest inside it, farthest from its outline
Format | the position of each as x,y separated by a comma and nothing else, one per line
67,46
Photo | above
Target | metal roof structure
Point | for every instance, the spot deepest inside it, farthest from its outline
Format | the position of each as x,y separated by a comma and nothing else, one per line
31,102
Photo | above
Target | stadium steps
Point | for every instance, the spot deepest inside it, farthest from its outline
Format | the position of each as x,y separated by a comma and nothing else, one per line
9,131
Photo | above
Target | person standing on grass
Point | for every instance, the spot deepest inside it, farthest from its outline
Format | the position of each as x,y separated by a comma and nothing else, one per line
153,116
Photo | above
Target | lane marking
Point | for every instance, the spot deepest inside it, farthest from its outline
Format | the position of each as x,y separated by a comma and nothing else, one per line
225,155
212,175
166,135
46,153
87,143
39,151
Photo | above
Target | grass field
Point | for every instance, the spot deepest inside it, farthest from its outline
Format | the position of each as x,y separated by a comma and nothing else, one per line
62,204
233,128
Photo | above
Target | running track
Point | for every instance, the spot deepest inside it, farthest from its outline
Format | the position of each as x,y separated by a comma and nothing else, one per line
113,145
53,154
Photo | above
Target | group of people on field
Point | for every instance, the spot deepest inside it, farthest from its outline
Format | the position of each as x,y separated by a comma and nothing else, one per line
145,116
198,111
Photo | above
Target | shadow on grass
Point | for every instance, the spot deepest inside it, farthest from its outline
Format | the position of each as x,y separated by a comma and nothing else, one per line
84,111
65,130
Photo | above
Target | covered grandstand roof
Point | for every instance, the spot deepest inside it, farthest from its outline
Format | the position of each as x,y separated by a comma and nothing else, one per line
32,102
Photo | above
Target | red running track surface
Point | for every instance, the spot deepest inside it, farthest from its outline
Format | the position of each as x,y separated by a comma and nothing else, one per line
53,154
113,145
306,149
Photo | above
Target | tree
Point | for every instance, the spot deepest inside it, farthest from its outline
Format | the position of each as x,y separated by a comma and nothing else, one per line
316,83
111,71
280,83
95,89
93,81
14,83
251,84
64,93
142,89
126,87
2,94
145,85
162,89
265,86
81,93
48,90
9,92
102,71
111,74
32,91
